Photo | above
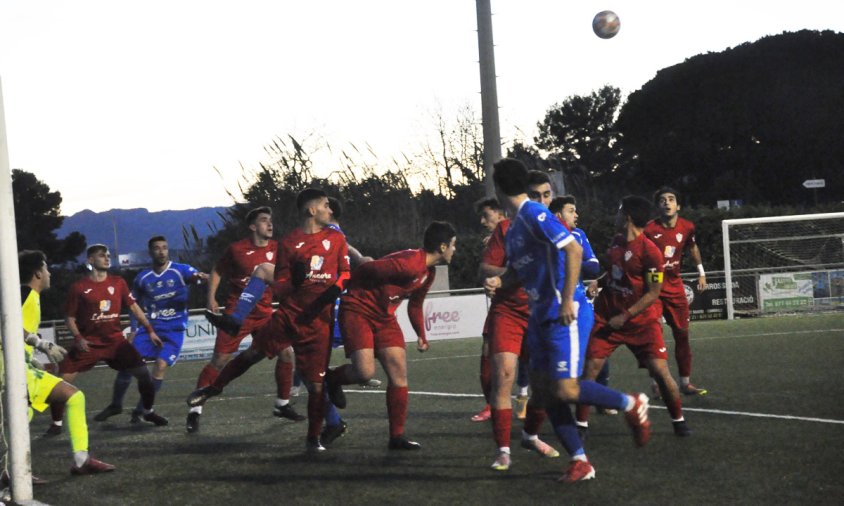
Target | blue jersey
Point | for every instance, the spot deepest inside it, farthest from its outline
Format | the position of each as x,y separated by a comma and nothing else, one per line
534,245
164,297
590,266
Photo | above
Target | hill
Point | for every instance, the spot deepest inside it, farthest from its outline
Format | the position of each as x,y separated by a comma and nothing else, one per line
132,228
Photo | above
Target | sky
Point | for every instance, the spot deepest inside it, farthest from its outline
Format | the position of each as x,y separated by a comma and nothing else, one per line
161,104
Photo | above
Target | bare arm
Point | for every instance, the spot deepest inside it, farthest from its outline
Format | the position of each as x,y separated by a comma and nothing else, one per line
80,341
487,271
136,310
213,284
694,252
654,283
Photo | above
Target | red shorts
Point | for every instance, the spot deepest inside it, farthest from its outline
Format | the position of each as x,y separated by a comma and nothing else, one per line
118,353
362,332
645,342
506,333
311,341
227,344
675,309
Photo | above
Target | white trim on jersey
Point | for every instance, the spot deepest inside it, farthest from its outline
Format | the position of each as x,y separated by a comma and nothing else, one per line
574,344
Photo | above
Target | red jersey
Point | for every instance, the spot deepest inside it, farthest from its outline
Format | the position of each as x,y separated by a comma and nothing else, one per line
513,298
628,265
672,242
97,305
377,288
325,256
238,262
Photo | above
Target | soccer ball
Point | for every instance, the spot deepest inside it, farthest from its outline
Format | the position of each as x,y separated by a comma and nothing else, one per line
606,24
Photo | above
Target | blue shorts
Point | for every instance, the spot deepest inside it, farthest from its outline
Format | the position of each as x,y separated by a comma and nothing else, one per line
557,350
172,345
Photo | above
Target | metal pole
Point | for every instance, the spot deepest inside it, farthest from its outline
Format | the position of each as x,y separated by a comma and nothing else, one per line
489,94
11,328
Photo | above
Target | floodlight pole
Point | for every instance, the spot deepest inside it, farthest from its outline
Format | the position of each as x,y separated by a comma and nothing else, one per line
489,94
11,329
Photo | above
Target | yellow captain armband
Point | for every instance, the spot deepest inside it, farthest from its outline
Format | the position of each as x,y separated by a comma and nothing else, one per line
654,276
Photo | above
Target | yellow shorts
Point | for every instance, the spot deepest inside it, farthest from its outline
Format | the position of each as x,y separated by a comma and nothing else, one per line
39,384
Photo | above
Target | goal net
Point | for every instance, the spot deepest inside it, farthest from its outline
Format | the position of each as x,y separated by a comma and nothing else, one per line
784,264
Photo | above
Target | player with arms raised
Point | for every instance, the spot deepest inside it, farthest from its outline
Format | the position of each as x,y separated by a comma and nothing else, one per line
370,329
674,235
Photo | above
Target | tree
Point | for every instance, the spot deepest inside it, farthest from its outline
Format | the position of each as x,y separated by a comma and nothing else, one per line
581,137
751,123
37,216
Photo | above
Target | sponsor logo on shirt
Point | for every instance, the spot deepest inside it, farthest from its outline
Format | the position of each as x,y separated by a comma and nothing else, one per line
316,262
165,295
522,262
669,251
105,305
541,217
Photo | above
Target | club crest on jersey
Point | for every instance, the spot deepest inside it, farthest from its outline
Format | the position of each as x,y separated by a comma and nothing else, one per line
541,217
105,305
669,251
269,255
111,290
316,262
628,255
171,283
326,244
617,272
679,237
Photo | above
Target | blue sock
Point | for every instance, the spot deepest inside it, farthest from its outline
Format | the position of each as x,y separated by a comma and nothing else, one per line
563,423
523,376
604,376
249,298
598,395
121,385
332,416
156,384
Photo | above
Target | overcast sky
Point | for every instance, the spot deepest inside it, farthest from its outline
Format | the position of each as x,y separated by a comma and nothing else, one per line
121,104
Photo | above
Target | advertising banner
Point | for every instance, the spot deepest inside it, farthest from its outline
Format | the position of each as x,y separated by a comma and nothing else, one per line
711,304
786,291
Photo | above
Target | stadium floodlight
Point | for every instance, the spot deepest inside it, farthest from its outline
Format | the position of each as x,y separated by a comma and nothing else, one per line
11,325
796,262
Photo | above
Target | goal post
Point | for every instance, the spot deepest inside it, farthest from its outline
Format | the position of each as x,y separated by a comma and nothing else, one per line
788,263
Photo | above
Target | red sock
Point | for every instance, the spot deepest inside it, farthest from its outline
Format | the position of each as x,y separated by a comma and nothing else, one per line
396,409
207,376
316,412
581,413
501,425
486,376
283,378
683,352
675,408
533,419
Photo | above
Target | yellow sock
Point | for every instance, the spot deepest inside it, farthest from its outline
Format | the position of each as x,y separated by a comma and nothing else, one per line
77,426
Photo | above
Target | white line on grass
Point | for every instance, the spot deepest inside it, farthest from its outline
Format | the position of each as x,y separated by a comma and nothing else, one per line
767,334
699,410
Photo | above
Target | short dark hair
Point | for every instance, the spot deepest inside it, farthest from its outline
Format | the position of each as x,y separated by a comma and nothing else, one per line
154,239
252,215
438,232
94,248
666,189
336,207
558,203
537,177
638,208
306,196
30,262
491,203
510,176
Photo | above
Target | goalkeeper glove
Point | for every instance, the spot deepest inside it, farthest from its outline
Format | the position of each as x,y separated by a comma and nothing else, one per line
53,351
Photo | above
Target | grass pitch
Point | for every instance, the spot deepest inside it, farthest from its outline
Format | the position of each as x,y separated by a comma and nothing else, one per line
770,431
